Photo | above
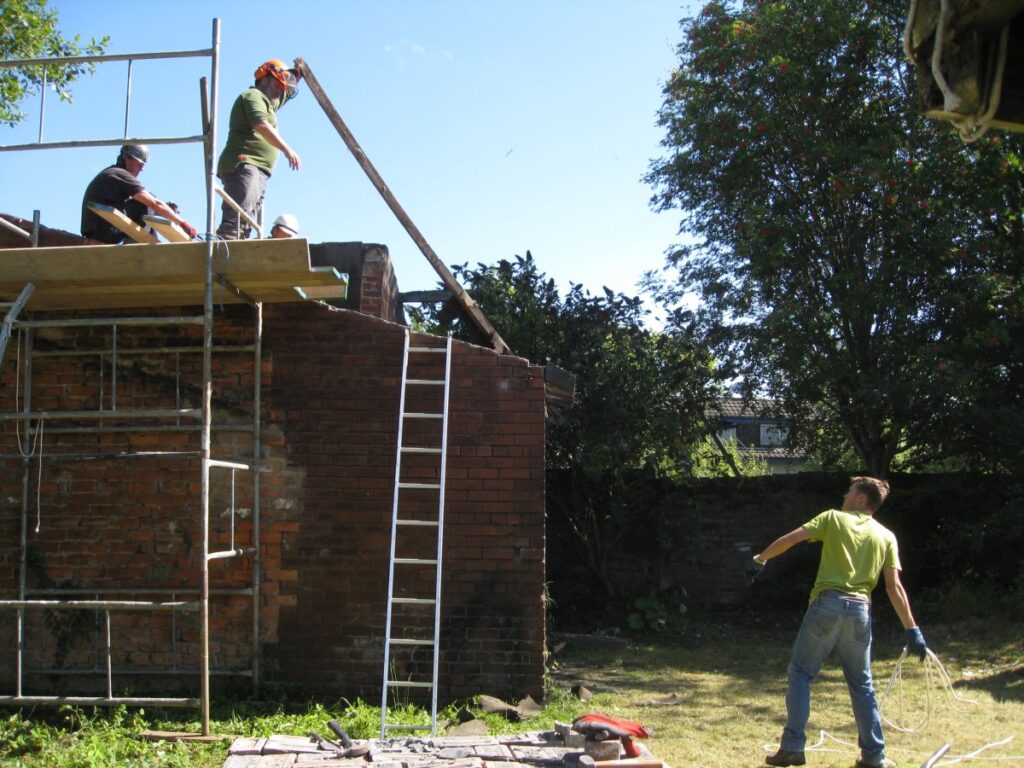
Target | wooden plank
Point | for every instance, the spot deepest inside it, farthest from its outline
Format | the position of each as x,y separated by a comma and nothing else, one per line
323,291
248,745
276,761
168,229
164,275
210,738
243,761
122,222
110,262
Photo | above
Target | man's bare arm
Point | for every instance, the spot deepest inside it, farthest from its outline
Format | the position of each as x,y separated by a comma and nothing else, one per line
269,132
898,597
160,207
782,544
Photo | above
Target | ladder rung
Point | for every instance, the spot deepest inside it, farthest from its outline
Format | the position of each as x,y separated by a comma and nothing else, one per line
427,486
414,600
408,684
413,561
411,642
416,449
417,522
428,382
434,350
422,415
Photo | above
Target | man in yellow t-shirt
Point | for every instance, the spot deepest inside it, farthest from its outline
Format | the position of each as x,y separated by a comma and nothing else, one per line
855,550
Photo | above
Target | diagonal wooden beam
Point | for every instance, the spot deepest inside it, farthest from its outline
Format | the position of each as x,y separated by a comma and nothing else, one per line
461,296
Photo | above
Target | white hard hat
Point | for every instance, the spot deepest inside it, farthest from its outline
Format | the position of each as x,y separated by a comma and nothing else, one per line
287,222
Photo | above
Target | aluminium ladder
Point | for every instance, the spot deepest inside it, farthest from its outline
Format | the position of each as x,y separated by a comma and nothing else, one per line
410,530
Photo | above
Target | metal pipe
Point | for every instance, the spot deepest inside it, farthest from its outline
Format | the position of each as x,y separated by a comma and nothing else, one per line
226,554
100,143
113,368
132,672
126,429
127,98
225,464
42,105
238,209
124,352
931,761
257,454
101,57
14,228
110,662
23,557
172,591
204,502
134,413
105,456
97,701
35,228
102,321
98,605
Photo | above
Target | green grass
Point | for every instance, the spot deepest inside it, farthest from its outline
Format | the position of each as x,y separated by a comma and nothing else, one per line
729,676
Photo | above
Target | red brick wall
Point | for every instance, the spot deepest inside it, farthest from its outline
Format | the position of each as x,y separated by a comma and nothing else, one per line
330,407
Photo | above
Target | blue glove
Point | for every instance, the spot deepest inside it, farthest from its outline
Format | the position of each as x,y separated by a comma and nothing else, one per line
753,570
915,643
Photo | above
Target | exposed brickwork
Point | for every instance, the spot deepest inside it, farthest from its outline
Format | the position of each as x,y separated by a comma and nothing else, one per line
330,415
379,293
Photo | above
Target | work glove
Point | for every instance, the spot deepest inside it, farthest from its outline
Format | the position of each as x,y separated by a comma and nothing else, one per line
753,570
915,643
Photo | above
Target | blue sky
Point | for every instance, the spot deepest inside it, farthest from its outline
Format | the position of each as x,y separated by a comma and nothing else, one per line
500,125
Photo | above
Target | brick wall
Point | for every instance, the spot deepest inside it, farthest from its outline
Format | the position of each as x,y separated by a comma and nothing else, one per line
330,414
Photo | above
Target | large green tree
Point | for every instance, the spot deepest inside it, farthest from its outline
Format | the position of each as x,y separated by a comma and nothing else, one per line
28,30
638,406
842,245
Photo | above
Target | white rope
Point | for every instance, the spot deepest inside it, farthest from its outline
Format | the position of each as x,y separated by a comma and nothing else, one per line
39,480
17,407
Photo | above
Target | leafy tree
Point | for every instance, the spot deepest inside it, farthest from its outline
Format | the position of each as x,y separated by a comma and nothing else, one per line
28,30
843,245
639,401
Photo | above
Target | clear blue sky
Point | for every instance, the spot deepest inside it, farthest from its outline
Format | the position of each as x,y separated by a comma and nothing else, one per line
500,125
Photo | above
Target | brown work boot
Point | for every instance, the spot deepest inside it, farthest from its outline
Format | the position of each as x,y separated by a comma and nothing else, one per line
786,757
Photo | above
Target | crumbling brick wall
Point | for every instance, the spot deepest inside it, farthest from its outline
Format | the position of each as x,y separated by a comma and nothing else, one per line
331,381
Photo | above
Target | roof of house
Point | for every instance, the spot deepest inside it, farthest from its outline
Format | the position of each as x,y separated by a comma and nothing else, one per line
736,407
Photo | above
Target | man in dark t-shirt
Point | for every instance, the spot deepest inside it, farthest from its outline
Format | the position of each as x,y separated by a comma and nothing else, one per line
118,186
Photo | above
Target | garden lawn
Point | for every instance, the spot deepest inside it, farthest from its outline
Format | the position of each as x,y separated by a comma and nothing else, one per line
728,676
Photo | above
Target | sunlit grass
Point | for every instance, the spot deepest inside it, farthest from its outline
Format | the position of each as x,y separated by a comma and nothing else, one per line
728,677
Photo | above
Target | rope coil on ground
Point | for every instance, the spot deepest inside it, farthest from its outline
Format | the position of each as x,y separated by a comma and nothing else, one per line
934,672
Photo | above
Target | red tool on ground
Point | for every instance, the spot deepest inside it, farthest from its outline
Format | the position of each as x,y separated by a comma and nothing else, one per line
604,728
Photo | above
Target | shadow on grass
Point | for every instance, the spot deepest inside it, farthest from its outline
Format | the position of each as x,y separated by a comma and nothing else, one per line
1005,685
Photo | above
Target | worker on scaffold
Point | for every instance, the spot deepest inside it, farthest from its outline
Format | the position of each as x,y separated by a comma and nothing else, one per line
856,549
118,186
253,145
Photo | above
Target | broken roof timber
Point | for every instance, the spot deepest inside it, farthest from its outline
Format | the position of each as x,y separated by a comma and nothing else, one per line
466,301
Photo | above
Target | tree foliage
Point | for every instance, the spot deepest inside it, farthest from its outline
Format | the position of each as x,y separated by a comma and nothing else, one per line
639,400
854,260
28,30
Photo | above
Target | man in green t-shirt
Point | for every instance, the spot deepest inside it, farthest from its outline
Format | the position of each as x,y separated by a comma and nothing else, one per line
856,548
253,144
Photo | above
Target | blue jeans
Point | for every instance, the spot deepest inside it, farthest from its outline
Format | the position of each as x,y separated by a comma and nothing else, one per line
840,623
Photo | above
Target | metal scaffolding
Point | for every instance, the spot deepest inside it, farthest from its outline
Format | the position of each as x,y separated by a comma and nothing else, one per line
109,418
